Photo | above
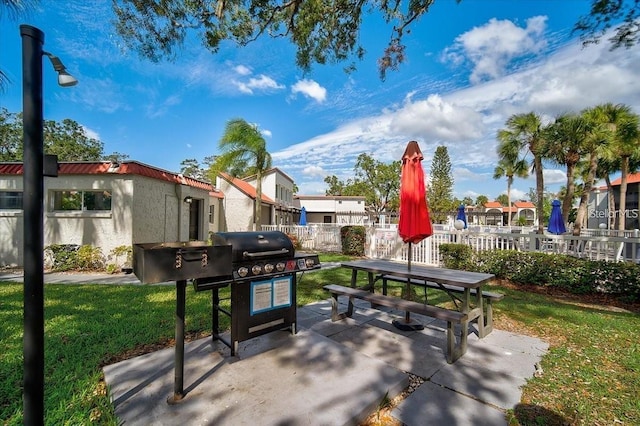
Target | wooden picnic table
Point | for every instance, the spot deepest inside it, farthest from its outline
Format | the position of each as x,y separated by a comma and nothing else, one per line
451,281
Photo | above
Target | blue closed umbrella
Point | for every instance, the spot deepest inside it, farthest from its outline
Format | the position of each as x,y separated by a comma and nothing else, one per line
556,223
461,215
303,217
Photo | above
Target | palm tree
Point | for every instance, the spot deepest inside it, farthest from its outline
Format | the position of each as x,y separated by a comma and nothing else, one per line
510,167
565,142
624,143
525,133
595,146
244,153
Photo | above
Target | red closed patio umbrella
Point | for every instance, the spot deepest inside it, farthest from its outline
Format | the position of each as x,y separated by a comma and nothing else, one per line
415,224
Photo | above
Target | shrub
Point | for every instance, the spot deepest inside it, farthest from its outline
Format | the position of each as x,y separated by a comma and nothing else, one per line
456,256
578,276
297,245
70,257
89,258
63,256
353,239
122,251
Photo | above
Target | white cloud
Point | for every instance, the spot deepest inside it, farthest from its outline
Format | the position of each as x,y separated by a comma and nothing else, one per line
491,47
90,133
242,70
467,120
554,176
314,171
436,118
266,132
310,89
262,83
517,194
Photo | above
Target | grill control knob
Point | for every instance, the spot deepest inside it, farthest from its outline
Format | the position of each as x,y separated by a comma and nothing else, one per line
310,262
268,268
280,266
243,271
256,269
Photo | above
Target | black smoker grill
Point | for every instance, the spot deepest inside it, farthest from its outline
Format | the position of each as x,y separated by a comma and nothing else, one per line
263,284
260,267
161,262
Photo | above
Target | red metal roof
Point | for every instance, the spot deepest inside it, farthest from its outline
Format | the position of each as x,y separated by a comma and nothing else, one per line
245,188
106,167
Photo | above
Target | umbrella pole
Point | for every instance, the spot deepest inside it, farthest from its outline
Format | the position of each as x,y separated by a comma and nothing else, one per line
407,314
408,324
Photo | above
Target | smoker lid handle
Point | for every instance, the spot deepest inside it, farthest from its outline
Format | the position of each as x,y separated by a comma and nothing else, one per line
246,254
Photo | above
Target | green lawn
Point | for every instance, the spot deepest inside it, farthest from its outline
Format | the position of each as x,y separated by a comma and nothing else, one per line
591,373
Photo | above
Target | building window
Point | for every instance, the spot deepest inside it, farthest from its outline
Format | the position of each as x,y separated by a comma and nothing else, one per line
10,200
212,210
81,200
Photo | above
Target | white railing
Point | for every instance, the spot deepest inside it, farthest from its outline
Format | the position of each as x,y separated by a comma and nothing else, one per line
384,243
316,237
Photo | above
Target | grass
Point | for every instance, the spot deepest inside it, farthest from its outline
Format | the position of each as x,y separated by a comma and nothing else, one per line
591,372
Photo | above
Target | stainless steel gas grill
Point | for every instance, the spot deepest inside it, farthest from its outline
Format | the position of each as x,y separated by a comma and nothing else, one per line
263,284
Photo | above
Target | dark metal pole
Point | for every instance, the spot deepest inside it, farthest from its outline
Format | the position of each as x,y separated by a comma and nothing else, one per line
178,382
33,341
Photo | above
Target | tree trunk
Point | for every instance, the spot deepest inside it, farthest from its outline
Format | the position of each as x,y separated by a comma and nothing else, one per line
568,196
584,198
537,164
622,208
509,181
611,203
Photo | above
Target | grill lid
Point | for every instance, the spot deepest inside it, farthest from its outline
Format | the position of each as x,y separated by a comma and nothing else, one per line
255,245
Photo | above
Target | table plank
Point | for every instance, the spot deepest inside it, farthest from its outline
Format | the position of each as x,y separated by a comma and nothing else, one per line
453,277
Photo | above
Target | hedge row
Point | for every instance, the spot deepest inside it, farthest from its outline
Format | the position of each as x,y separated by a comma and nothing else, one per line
578,276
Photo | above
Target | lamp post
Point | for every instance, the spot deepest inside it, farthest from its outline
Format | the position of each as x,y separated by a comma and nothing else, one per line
33,210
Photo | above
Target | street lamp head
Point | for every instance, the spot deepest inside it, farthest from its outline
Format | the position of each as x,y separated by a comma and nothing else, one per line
64,78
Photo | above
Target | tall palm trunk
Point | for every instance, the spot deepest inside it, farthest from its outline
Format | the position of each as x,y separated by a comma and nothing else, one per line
584,198
509,182
611,203
571,190
537,164
622,208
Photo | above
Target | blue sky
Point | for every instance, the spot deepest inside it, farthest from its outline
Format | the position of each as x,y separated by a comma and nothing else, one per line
469,67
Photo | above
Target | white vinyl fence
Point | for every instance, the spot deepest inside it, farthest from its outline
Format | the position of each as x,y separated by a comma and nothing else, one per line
384,243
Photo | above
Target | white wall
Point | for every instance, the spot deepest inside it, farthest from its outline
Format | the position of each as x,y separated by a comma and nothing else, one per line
11,226
143,210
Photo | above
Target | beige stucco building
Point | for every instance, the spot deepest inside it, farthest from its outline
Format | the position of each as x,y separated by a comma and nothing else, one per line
107,205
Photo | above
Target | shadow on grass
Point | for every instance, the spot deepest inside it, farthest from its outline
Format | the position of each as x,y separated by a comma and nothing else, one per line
527,414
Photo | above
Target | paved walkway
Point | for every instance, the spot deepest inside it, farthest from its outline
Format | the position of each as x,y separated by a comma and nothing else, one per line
329,373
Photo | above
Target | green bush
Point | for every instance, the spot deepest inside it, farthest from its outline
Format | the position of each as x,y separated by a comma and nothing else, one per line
353,239
71,257
456,256
577,276
63,256
89,258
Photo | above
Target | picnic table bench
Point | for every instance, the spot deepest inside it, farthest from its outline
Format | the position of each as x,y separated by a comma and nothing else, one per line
489,297
455,347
